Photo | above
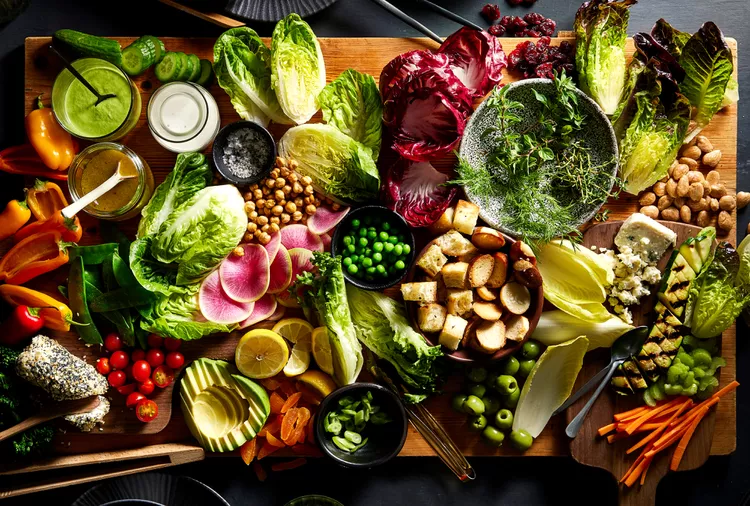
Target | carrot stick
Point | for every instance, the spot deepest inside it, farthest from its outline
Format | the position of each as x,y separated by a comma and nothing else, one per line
682,446
616,437
632,413
637,472
643,476
691,415
651,414
607,429
632,468
658,430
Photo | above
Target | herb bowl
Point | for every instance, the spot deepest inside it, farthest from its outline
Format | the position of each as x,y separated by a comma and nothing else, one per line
221,142
382,214
383,441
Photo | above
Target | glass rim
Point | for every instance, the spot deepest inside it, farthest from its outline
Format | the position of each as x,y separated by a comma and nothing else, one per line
200,90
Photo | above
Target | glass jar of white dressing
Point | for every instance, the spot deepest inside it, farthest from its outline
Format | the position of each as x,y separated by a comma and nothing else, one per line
183,117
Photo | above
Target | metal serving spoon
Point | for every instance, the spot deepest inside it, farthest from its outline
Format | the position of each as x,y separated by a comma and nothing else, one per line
626,346
99,97
121,174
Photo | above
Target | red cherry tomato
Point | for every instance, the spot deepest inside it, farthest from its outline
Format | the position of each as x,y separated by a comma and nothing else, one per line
172,344
133,399
103,367
163,376
113,342
146,410
119,360
137,355
126,390
175,359
147,387
154,341
155,357
116,378
141,371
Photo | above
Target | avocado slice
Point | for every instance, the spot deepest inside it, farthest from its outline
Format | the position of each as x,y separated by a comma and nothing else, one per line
223,409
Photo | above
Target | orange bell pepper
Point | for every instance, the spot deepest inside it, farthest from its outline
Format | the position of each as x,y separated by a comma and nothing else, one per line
35,255
15,215
57,315
25,161
55,146
70,228
45,199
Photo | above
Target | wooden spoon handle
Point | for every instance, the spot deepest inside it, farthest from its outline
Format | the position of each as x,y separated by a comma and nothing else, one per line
30,422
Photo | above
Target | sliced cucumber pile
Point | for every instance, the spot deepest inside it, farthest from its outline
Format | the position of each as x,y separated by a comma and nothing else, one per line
178,66
142,54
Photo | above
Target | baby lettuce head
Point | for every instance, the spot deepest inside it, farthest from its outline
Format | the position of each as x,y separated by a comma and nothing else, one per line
242,64
298,72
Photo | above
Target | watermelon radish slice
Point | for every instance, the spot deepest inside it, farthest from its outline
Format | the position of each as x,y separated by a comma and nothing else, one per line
264,307
299,236
325,219
281,272
273,246
326,242
278,314
301,262
245,278
217,306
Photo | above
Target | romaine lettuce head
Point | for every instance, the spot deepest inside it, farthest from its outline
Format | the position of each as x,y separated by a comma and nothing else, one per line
177,316
340,166
669,37
242,64
298,70
352,104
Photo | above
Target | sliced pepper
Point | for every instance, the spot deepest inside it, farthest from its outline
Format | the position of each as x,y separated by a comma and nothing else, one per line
35,255
70,228
24,160
57,315
13,217
45,199
53,144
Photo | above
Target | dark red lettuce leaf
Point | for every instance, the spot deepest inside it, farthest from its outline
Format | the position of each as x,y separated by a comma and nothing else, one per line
476,58
408,63
416,191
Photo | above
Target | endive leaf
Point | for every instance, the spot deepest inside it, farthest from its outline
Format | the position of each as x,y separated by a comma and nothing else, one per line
556,327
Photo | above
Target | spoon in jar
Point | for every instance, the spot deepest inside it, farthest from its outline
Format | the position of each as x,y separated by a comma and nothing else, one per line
99,97
122,172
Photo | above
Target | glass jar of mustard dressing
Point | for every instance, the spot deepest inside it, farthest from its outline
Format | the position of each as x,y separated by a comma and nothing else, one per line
97,163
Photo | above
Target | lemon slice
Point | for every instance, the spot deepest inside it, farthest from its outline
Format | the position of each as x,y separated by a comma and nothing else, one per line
299,361
321,350
261,353
297,331
319,382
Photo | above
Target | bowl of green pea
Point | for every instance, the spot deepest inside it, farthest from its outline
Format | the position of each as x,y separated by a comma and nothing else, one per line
376,247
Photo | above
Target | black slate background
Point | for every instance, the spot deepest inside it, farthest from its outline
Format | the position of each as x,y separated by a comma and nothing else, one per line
409,480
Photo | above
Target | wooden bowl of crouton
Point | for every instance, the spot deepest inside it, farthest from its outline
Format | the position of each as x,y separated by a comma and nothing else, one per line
473,290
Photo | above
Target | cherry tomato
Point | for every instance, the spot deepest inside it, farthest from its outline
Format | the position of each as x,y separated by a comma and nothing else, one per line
172,344
137,355
119,360
128,370
116,378
175,359
126,390
154,341
141,371
163,376
155,357
147,387
103,367
113,342
146,410
133,399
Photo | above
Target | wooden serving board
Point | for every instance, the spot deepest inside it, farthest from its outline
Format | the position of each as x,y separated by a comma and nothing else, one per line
366,55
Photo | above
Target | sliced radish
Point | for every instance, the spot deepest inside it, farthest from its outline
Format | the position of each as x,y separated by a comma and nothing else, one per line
325,219
299,236
245,278
217,306
326,242
273,246
278,314
264,307
301,262
281,272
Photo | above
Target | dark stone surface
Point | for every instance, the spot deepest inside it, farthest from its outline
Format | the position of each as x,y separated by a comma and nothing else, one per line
416,481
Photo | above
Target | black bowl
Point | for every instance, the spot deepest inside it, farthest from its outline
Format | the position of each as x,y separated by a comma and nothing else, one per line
374,211
384,441
217,152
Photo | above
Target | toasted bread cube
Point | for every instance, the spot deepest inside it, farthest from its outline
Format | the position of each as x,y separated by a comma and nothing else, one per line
480,270
460,302
499,271
444,223
453,331
468,257
452,243
432,260
455,275
466,216
431,317
420,292
487,239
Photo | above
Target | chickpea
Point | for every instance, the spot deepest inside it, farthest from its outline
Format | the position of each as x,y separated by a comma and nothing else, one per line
252,227
270,203
335,206
280,162
279,182
284,172
290,207
286,189
310,210
285,218
274,219
277,210
297,188
249,207
266,211
266,191
262,220
247,196
258,233
253,187
274,227
270,183
297,215
309,200
316,202
260,203
306,180
264,238
248,237
293,164
274,173
279,195
253,215
293,177
265,228
309,190
299,202
257,194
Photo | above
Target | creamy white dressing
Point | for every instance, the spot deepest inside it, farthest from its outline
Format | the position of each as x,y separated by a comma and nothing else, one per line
183,117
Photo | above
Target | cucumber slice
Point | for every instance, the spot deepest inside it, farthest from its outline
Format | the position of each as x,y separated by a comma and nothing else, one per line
137,57
207,72
186,67
157,44
169,68
195,63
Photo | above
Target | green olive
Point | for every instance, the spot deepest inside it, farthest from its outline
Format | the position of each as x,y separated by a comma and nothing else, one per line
506,384
525,367
458,402
511,401
476,374
491,380
491,404
504,419
477,423
492,436
473,405
510,366
531,349
521,440
477,389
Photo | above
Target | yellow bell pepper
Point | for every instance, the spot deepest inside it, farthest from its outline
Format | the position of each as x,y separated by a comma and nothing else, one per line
45,199
55,146
57,315
15,215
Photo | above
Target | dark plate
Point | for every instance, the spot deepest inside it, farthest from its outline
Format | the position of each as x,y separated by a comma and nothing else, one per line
151,489
217,152
274,10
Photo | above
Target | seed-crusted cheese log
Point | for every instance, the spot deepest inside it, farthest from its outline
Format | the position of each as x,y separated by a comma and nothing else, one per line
45,363
87,421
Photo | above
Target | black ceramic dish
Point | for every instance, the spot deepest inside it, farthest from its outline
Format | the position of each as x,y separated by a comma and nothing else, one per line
151,489
274,10
384,441
384,214
220,141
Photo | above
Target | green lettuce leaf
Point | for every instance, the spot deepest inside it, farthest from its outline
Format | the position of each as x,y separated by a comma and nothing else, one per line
298,73
352,104
340,166
242,64
177,315
382,326
672,39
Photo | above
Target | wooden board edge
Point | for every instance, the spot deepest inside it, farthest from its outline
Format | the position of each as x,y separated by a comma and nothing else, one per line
212,17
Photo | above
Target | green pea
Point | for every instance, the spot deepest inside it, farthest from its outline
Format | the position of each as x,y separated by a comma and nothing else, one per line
355,258
355,223
348,239
371,271
521,440
531,350
377,257
476,374
491,404
367,262
473,405
477,389
510,366
383,236
400,265
378,246
388,247
406,249
347,261
371,234
352,269
386,226
398,250
363,232
368,252
477,423
458,402
511,401
492,436
350,248
525,367
504,419
381,269
393,240
506,384
363,241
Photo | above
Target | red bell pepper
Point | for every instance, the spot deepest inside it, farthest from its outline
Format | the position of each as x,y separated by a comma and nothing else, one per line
23,323
35,255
